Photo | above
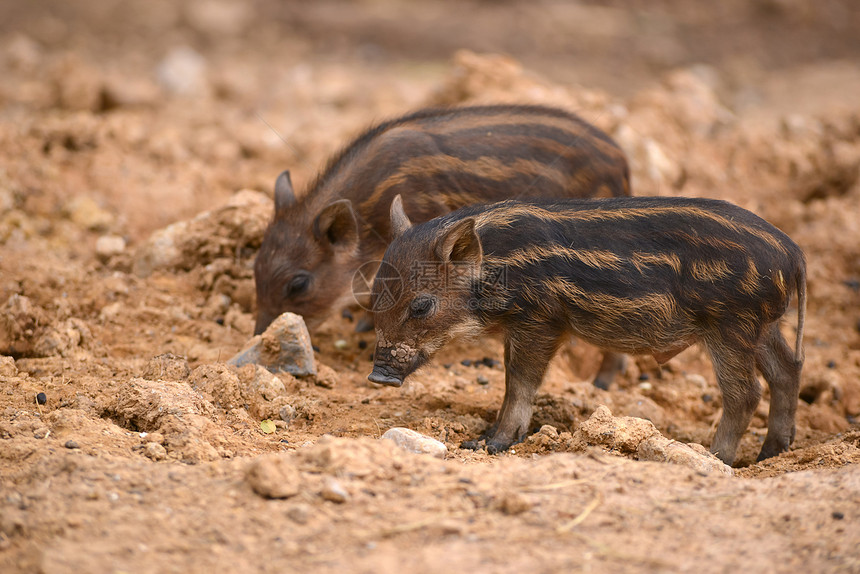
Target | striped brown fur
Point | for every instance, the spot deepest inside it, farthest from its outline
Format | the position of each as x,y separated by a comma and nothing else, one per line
438,160
634,275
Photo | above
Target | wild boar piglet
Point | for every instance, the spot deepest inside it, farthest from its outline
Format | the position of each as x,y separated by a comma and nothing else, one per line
638,275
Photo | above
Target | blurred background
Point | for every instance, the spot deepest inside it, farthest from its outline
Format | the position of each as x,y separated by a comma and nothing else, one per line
262,84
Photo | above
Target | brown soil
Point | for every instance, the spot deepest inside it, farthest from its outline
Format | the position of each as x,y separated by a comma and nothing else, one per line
118,119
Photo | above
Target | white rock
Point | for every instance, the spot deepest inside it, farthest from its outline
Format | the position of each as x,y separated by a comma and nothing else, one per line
416,442
333,491
182,72
274,476
109,245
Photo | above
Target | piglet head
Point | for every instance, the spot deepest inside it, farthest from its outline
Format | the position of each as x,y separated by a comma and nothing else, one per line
422,293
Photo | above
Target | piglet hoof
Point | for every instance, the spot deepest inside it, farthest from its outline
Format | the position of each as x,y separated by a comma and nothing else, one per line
772,448
364,325
497,446
602,384
471,444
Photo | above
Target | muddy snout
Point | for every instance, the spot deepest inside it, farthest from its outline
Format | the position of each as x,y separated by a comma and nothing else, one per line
385,376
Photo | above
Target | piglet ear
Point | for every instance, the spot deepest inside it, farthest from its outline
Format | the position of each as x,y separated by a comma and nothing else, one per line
460,243
336,225
284,196
399,221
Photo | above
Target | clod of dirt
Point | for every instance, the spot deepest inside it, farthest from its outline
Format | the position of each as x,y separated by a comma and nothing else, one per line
154,451
220,384
359,457
416,442
7,367
622,434
695,456
20,321
513,503
251,387
88,214
284,346
63,338
173,409
274,476
232,229
143,405
632,436
167,367
258,381
326,377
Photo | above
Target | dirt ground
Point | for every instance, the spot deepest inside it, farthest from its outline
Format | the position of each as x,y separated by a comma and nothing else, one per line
139,144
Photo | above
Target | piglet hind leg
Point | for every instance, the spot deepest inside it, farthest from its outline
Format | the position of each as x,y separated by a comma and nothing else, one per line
526,361
735,371
612,364
776,361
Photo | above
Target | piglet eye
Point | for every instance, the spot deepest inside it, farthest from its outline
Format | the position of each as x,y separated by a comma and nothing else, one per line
298,285
421,307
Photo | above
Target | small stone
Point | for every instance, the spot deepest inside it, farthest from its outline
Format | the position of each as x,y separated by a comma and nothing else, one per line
347,314
334,492
41,398
109,245
362,344
548,430
299,513
707,397
85,212
697,380
490,362
274,476
154,451
71,444
831,364
483,380
466,362
837,515
41,432
416,442
513,503
644,377
341,344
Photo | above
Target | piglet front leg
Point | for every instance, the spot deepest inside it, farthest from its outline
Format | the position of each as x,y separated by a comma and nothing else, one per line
527,356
